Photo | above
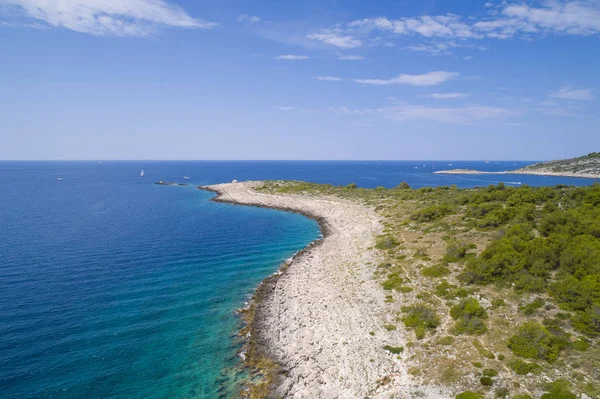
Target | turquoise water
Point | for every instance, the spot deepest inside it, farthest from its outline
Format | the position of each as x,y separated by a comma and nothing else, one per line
114,287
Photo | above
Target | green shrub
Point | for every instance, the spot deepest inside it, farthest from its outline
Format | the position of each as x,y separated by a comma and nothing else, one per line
396,350
439,270
393,282
534,341
469,395
558,390
469,316
502,393
523,368
389,327
432,212
490,373
386,242
486,381
581,345
351,185
420,318
403,186
532,307
522,396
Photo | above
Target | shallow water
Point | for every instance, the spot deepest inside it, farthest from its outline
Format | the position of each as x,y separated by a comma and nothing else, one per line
112,286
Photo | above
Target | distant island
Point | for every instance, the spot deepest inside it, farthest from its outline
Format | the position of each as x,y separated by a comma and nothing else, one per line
587,166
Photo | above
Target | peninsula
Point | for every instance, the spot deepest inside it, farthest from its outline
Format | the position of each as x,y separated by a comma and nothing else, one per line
587,166
429,293
321,321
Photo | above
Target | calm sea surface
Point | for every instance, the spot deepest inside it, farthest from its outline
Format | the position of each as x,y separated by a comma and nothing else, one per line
114,287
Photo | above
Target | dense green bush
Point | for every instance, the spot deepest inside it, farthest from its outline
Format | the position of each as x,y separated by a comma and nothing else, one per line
469,316
490,373
523,368
532,307
432,212
393,282
438,270
558,390
420,318
486,381
549,232
534,341
403,186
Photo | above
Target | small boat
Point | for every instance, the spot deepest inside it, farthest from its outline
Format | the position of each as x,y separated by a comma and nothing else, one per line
60,179
186,178
142,174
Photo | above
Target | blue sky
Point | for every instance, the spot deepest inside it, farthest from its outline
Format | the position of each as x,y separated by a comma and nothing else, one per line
157,79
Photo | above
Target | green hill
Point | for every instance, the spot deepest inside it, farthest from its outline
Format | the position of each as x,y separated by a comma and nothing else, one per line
587,165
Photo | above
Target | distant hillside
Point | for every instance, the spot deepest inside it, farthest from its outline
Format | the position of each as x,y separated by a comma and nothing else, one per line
585,166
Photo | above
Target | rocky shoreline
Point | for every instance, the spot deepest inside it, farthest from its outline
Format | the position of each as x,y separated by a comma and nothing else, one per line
316,327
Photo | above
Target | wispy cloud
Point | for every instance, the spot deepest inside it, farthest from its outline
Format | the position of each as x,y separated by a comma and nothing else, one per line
443,34
285,108
292,57
428,79
248,18
456,115
335,39
351,57
329,78
447,96
109,17
567,93
575,17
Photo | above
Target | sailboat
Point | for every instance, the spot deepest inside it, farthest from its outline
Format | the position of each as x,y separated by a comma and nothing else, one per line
186,178
142,174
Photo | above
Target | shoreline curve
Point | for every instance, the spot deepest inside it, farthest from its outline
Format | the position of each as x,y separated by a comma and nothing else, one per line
315,327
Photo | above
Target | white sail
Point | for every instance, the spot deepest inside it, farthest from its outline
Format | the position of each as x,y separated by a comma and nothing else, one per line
142,174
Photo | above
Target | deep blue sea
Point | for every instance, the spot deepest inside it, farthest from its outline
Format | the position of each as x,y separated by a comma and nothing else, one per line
114,287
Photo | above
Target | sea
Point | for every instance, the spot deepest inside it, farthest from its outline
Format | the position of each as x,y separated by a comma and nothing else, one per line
114,287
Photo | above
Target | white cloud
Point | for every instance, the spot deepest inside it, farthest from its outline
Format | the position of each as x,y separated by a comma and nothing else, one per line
285,108
428,79
351,57
440,26
292,57
566,93
447,96
335,39
572,17
248,18
110,17
329,78
456,115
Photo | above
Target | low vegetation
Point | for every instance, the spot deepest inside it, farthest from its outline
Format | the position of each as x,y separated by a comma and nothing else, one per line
500,284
